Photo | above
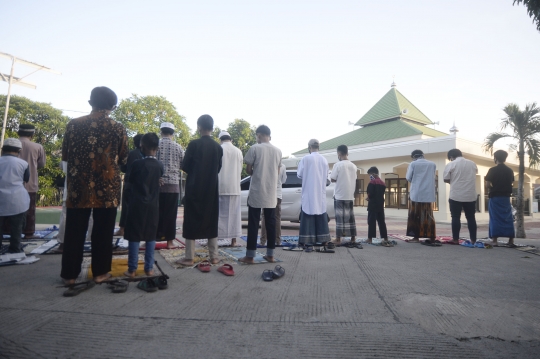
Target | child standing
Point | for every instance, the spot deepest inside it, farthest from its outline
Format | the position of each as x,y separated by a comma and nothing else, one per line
143,210
375,192
14,199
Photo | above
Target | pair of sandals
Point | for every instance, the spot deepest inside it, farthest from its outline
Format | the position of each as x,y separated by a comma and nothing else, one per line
270,274
327,247
352,245
431,243
151,285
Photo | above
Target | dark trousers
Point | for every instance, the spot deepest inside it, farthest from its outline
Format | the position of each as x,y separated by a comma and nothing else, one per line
125,205
470,211
254,215
374,217
168,211
30,223
16,223
101,237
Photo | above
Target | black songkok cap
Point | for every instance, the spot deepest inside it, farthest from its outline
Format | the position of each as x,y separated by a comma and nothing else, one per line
103,98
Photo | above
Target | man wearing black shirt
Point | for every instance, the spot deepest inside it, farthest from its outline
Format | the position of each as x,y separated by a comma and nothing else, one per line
499,180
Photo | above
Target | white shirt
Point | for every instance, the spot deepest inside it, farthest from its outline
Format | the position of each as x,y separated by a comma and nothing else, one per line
344,173
313,170
421,174
63,164
282,178
265,159
231,170
462,175
14,198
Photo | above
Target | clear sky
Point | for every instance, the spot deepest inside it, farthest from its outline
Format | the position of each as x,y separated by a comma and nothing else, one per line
304,68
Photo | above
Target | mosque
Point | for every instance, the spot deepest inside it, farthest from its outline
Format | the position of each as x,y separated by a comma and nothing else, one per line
388,133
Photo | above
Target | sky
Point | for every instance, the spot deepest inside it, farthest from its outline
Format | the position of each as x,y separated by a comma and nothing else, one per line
304,68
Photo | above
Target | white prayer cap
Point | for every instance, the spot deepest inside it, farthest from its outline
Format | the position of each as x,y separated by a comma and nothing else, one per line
167,125
13,142
224,133
313,143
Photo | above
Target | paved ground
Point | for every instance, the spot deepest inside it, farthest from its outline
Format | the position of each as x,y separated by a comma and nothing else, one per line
410,301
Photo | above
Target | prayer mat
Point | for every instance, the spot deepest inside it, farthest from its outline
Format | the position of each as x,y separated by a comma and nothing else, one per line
16,258
173,255
374,241
220,242
285,241
25,247
237,253
529,249
123,244
118,267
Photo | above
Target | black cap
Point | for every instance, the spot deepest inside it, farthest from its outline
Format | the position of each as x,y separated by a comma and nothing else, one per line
103,98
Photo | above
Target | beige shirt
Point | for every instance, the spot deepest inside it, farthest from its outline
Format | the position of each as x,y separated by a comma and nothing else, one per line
231,170
34,154
265,159
462,176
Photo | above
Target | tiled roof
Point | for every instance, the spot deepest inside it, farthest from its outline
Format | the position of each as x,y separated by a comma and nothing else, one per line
393,105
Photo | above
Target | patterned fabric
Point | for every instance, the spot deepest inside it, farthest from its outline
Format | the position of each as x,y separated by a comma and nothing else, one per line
94,147
345,222
501,221
421,223
314,228
171,155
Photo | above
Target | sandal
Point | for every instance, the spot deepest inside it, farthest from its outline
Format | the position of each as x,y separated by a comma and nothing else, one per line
147,285
78,288
226,269
119,286
161,282
330,245
309,249
268,275
387,243
325,250
278,272
204,266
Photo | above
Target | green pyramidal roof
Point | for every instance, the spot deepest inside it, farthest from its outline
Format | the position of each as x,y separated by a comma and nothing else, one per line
393,105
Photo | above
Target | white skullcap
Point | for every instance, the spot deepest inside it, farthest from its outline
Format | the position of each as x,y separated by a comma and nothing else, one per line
224,133
167,125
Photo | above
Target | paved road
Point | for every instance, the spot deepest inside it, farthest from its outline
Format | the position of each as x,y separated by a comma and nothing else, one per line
410,301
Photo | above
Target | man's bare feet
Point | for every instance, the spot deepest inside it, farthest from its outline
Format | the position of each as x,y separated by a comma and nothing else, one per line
246,260
101,278
130,274
185,262
119,232
369,240
68,281
149,273
170,244
233,242
269,259
215,260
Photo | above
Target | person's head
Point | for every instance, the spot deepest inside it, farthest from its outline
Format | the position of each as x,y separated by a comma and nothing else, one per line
205,125
500,156
313,145
103,99
149,144
11,146
416,154
373,172
224,136
166,129
26,130
454,153
342,152
137,140
263,134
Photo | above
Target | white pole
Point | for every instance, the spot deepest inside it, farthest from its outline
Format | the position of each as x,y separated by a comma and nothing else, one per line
7,103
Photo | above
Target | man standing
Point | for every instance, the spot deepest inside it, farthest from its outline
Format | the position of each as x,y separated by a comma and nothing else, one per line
421,174
171,155
230,215
344,175
499,180
313,171
94,147
263,161
34,154
282,178
202,164
461,174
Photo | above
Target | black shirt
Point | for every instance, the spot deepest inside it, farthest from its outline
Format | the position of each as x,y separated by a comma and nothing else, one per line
375,191
501,178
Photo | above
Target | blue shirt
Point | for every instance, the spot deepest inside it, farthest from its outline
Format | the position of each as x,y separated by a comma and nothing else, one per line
14,198
421,174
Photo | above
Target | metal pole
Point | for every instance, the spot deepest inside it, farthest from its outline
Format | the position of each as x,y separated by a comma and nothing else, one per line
7,103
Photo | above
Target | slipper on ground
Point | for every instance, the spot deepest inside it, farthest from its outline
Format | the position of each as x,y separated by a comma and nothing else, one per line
77,289
268,275
226,269
204,266
278,272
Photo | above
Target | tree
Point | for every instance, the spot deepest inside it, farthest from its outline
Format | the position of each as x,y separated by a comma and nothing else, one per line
533,9
50,126
143,114
243,137
524,127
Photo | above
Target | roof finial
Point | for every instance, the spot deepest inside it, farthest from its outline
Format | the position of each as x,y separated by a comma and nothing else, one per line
393,82
454,129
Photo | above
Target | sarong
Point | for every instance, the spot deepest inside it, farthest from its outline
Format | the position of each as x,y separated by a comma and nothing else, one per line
345,223
421,223
230,217
168,211
501,222
29,223
313,228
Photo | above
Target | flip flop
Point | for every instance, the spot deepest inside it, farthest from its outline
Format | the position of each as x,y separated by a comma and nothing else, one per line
278,272
147,285
204,266
325,250
387,244
77,289
330,245
119,286
268,275
226,269
161,283
308,249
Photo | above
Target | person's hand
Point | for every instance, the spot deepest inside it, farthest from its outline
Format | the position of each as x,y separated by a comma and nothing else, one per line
161,182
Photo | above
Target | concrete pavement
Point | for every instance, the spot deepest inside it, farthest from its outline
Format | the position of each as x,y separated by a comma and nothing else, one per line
410,301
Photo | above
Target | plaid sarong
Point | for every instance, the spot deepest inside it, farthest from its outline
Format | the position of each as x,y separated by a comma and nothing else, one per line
345,223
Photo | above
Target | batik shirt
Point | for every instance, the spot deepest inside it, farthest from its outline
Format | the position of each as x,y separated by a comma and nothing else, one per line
171,155
94,147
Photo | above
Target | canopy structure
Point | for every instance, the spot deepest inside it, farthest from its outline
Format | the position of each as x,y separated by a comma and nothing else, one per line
12,80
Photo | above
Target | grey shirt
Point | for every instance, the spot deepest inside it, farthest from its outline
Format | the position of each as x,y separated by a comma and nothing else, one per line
265,159
421,174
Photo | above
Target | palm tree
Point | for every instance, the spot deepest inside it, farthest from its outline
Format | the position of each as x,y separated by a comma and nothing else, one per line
524,127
